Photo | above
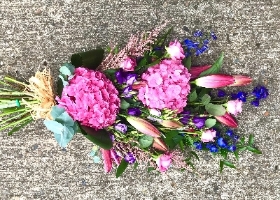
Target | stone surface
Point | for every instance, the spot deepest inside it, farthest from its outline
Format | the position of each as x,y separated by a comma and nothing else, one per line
35,34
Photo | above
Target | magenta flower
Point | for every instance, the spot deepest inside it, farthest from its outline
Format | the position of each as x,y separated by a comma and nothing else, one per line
91,99
227,120
107,160
208,136
175,51
234,106
128,64
215,81
163,162
167,86
240,80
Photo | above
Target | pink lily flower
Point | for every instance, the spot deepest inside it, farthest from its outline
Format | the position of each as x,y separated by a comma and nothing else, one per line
215,81
196,71
240,80
159,144
227,120
106,155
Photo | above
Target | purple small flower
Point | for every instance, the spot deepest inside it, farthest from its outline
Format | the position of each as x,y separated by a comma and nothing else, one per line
185,117
221,93
222,143
131,78
198,145
120,76
213,35
232,148
197,33
230,133
255,102
199,122
130,158
121,127
134,111
126,91
260,92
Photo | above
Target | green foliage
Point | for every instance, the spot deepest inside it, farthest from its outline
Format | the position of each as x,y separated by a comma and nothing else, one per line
210,122
17,128
110,74
216,110
146,141
215,68
225,163
67,69
205,99
89,59
187,62
192,96
124,104
121,168
99,137
172,138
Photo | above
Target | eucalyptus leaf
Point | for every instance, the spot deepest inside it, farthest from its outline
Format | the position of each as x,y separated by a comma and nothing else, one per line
121,168
67,69
65,83
146,141
210,122
124,104
56,111
65,119
216,110
215,68
96,159
205,99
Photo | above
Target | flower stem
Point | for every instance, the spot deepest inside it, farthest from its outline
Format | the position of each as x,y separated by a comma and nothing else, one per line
16,122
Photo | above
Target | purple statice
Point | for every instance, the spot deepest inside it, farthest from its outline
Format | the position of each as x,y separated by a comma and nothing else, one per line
260,92
131,78
121,127
134,111
198,33
222,142
212,147
130,158
185,117
198,145
221,93
199,122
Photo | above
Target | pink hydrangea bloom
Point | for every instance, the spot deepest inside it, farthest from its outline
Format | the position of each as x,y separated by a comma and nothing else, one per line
234,107
208,136
167,86
128,64
163,162
91,99
175,50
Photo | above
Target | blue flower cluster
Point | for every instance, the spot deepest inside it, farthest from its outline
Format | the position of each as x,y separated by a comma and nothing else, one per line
240,95
259,92
201,46
228,142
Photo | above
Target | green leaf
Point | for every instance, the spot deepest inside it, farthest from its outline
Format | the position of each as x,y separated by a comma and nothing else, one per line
99,137
56,111
251,140
203,91
242,148
135,165
121,168
205,99
215,68
60,86
124,104
194,154
190,164
65,83
221,165
229,164
254,150
110,74
216,110
65,119
150,169
224,153
89,59
67,69
192,96
187,62
181,144
146,141
17,128
210,122
236,155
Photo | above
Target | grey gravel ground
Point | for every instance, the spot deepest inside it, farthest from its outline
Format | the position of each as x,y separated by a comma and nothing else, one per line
35,34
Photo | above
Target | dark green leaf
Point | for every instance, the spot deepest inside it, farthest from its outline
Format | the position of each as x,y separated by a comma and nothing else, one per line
242,140
181,144
121,168
205,99
190,164
216,110
161,40
254,150
210,122
203,91
242,148
124,104
135,165
17,128
192,96
99,137
215,68
60,86
221,165
224,153
150,169
194,154
236,155
187,62
110,74
251,140
229,164
89,59
146,141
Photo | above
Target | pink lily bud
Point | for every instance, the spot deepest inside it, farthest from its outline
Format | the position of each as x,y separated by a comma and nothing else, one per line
139,84
227,120
196,71
115,157
240,80
143,126
106,155
215,81
159,144
171,124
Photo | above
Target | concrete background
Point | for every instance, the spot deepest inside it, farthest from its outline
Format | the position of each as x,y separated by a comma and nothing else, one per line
39,33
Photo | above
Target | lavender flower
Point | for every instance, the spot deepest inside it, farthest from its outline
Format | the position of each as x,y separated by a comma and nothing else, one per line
121,127
126,91
131,78
130,158
134,111
199,122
